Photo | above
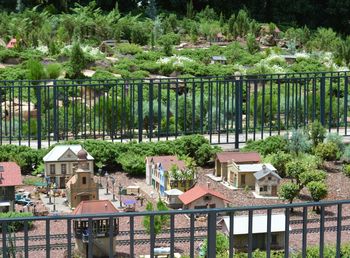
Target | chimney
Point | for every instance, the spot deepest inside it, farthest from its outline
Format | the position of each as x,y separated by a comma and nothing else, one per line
208,184
264,168
105,206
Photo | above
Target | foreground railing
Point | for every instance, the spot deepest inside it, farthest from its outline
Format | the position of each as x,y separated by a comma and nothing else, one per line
185,231
230,109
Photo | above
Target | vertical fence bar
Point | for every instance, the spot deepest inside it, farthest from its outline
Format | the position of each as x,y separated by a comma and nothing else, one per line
212,234
339,230
201,107
346,85
140,111
231,231
255,108
279,106
193,108
159,114
47,236
192,235
250,234
330,114
55,120
167,110
69,238
304,237
131,223
172,235
90,241
4,239
322,99
268,240
111,237
38,121
152,236
150,103
286,235
262,109
237,115
322,231
26,248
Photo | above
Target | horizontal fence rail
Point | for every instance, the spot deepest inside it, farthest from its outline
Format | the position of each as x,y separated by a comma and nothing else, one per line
259,229
225,109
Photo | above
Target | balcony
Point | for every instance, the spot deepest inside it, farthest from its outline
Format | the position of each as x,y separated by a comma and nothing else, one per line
290,228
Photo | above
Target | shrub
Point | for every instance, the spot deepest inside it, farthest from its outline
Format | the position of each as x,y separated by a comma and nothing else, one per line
288,191
17,225
53,71
318,190
131,49
267,146
346,170
317,133
77,62
131,163
252,45
298,142
279,161
36,70
327,151
337,139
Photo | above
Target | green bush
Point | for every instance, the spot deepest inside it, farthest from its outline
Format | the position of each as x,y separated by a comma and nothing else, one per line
267,146
327,151
279,161
53,71
18,225
346,170
126,48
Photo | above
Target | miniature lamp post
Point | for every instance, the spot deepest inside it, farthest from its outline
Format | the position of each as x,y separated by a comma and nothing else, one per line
100,175
120,194
106,176
47,178
54,197
113,182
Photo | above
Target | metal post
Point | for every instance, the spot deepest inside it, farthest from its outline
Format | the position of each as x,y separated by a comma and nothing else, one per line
139,111
322,99
211,252
120,195
237,114
106,176
38,123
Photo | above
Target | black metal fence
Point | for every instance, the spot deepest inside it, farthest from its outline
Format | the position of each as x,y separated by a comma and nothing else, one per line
224,109
301,229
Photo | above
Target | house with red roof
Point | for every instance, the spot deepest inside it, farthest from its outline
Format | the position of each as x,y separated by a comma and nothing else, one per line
222,160
201,197
164,173
10,177
99,228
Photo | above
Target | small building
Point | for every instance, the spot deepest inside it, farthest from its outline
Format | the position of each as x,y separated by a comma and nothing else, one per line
218,60
108,46
290,59
10,177
12,43
241,176
267,182
100,228
200,197
219,37
159,174
81,186
223,158
259,231
172,198
62,161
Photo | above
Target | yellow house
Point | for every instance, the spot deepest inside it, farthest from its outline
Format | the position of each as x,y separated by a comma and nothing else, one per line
242,175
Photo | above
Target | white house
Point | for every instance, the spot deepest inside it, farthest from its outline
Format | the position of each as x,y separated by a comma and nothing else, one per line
61,162
259,231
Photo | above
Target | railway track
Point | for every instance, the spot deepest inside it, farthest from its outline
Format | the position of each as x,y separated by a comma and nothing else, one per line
316,220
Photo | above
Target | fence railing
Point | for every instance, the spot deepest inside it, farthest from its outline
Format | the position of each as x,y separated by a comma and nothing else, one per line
296,228
224,109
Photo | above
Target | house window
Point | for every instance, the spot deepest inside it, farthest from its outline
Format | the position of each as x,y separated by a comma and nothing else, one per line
207,198
87,165
63,169
261,189
265,188
52,169
84,180
243,179
269,178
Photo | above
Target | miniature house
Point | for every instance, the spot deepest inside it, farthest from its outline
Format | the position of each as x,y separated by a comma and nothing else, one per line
99,230
259,231
107,46
218,60
10,177
200,197
158,174
62,161
267,182
222,160
81,186
241,176
172,198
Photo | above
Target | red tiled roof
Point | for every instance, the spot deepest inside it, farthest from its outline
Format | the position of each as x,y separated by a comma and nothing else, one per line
197,192
94,207
167,162
11,175
239,157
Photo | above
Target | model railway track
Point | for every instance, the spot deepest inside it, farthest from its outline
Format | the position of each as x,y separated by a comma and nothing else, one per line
317,220
317,230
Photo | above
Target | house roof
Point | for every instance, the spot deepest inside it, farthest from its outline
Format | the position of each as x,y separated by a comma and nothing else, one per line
197,192
11,175
254,167
57,152
240,223
218,58
11,43
167,162
264,172
109,42
238,157
94,207
173,192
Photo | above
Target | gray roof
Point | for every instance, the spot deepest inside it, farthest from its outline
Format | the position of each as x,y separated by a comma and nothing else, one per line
173,192
57,152
218,58
254,167
264,172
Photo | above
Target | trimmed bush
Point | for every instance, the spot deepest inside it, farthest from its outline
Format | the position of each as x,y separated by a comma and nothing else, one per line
327,151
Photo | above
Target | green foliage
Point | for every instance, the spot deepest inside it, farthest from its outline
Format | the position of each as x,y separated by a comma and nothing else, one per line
343,51
288,191
8,53
132,163
279,160
346,154
318,190
222,245
36,70
267,146
327,151
53,71
298,142
337,139
131,49
312,175
252,45
324,39
77,61
32,180
317,133
160,221
346,170
294,169
17,225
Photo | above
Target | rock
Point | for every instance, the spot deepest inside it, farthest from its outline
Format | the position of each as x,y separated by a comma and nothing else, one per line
12,60
267,40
